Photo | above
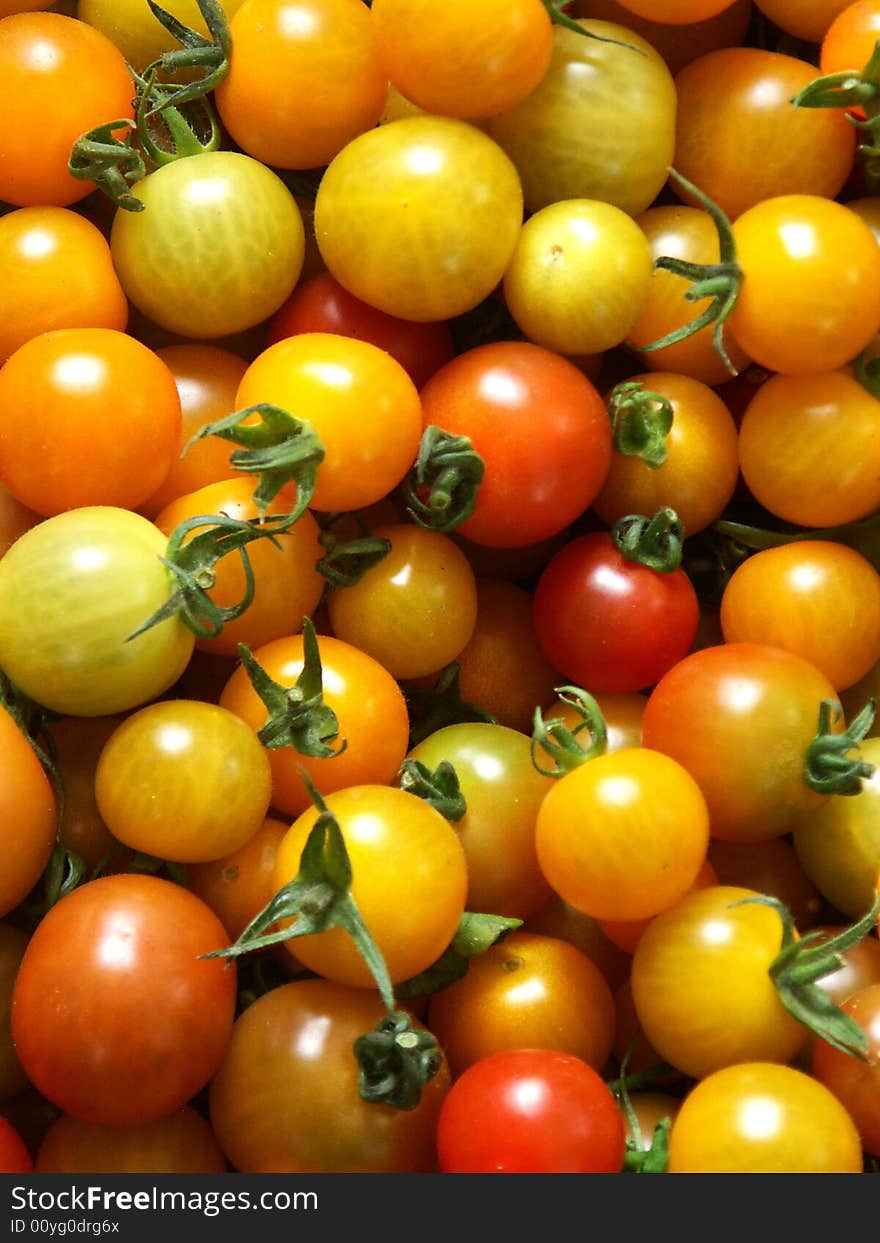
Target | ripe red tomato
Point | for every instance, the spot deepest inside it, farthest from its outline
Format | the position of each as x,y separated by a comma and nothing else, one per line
530,1111
115,1016
541,428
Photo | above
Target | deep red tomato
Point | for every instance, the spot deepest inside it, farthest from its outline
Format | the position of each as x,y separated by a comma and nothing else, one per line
530,1111
541,428
323,305
115,1017
608,623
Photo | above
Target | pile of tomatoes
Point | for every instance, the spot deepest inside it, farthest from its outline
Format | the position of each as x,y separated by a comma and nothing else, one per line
439,586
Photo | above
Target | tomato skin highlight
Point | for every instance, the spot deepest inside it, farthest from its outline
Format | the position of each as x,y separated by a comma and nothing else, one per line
530,1111
141,1023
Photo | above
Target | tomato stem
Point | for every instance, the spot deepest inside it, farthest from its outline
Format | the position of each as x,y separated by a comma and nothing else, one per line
801,963
828,767
655,542
721,282
449,469
559,18
440,787
345,562
563,744
640,422
852,89
476,933
112,163
298,716
279,449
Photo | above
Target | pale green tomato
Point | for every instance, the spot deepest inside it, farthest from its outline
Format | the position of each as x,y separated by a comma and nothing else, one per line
218,247
601,125
419,217
579,276
72,589
139,36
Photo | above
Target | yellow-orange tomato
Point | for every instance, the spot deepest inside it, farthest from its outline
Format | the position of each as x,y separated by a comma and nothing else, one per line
557,919
179,1143
416,609
464,58
526,992
287,586
770,867
237,886
207,380
680,233
701,469
304,80
59,78
807,19
57,273
78,743
140,36
27,813
816,598
410,880
369,708
361,403
624,835
626,934
678,45
13,943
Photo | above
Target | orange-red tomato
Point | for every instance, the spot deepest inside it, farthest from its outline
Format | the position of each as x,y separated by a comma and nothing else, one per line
238,886
88,416
59,78
178,1143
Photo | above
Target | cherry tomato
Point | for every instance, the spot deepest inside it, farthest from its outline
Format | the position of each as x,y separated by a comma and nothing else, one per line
78,743
624,835
88,416
622,715
855,1083
15,519
115,1016
410,880
810,301
217,248
807,19
541,428
59,78
680,233
770,867
287,584
179,1143
237,886
678,45
740,140
323,305
557,919
701,469
608,623
526,992
745,709
859,968
578,278
701,983
57,274
207,380
285,1100
71,591
760,1118
419,217
304,79
361,403
807,448
369,708
14,1156
816,598
467,59
140,37
850,40
27,812
627,933
677,12
13,943
183,780
503,792
416,609
530,1111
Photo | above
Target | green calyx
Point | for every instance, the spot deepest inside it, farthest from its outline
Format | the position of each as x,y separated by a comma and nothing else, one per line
850,89
802,962
345,562
279,449
298,716
172,120
829,766
640,422
431,708
448,471
656,542
638,1159
440,787
564,745
191,562
720,282
396,1060
476,933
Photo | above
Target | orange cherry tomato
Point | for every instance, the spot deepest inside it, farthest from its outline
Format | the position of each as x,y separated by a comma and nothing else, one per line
178,1143
27,813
